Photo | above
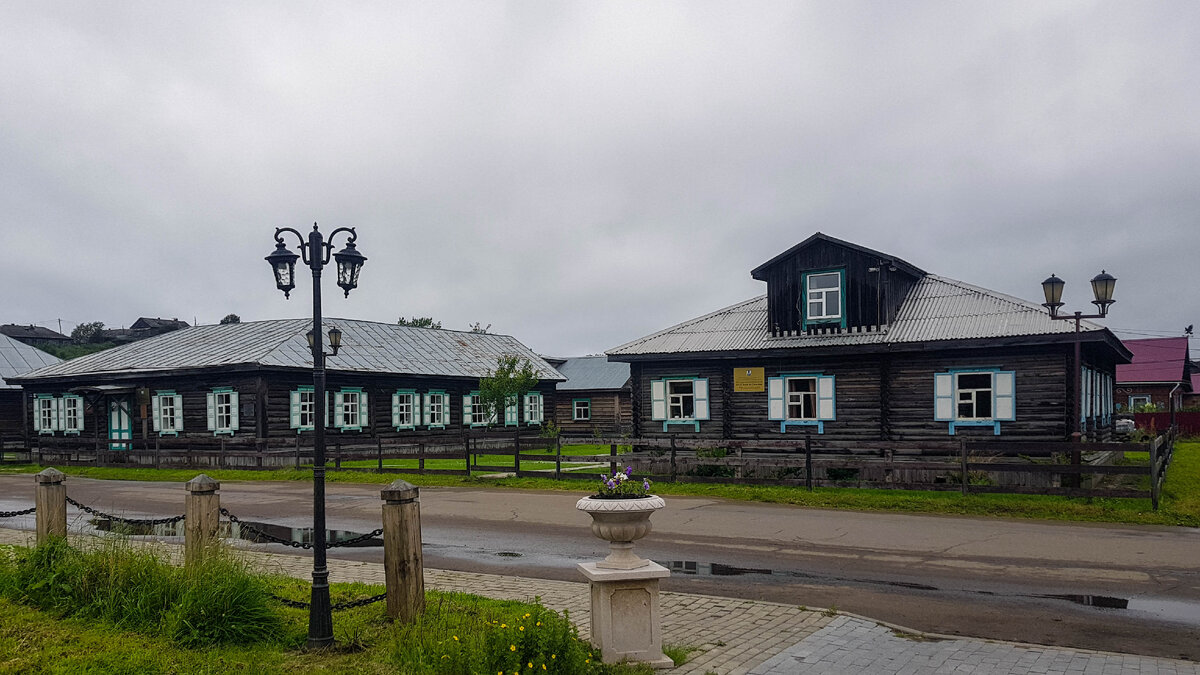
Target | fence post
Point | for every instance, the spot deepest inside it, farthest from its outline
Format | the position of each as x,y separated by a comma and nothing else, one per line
157,460
467,452
337,459
403,569
421,458
612,463
962,450
557,457
674,470
517,452
808,478
1154,473
201,510
51,503
379,448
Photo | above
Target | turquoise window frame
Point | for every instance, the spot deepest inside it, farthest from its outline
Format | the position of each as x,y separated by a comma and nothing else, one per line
841,320
353,390
312,390
990,422
475,424
445,409
541,408
224,390
575,402
37,411
63,421
685,422
416,409
818,423
161,394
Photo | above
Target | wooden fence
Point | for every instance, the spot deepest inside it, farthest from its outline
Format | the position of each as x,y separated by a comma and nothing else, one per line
968,466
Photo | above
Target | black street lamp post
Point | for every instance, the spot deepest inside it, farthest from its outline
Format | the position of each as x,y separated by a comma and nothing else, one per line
316,252
1102,288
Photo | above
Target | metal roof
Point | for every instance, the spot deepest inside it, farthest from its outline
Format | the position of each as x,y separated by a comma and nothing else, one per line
593,372
18,358
366,347
936,308
1156,360
31,332
760,271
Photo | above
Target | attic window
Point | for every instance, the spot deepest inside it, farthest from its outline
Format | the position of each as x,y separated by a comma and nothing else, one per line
824,297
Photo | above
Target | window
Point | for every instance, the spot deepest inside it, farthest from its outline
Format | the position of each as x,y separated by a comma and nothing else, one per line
72,414
168,413
511,416
303,409
46,415
582,410
679,400
975,398
350,409
801,400
823,297
437,409
475,413
534,408
1135,401
404,409
222,411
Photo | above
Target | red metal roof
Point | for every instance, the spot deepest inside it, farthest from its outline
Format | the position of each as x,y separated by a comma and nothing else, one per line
1155,360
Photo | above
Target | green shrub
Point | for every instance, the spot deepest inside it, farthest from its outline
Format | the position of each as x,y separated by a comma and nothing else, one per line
215,602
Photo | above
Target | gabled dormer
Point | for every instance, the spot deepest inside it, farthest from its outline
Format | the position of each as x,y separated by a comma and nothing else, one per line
824,285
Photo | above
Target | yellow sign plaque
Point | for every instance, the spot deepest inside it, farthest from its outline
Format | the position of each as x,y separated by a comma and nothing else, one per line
748,379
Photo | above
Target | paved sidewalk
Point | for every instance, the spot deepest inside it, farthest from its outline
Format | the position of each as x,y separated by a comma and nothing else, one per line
744,637
850,646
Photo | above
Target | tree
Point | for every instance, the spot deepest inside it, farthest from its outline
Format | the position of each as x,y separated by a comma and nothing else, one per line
477,327
420,322
231,318
87,332
509,382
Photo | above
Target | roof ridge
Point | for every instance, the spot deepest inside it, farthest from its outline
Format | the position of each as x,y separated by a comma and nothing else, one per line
684,323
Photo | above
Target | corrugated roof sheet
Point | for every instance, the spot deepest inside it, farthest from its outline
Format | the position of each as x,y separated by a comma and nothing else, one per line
18,358
937,308
1155,360
366,347
593,372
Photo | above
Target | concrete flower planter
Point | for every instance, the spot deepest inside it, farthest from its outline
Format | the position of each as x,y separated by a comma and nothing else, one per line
621,522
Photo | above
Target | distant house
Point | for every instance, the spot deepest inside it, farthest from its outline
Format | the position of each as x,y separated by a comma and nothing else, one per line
141,329
1160,374
16,358
34,335
852,344
255,380
595,398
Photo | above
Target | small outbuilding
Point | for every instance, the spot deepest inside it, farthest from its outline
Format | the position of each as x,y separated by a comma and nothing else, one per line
595,398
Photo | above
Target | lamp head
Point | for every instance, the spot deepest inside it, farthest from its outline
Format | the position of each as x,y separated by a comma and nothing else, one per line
283,266
1052,287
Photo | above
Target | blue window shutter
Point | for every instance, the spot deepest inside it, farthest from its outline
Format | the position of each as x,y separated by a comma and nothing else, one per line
943,397
467,410
294,408
1004,389
156,403
212,411
700,389
826,399
178,413
233,411
658,400
364,420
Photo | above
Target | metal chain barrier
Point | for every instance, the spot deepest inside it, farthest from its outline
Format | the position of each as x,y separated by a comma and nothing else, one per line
349,604
296,544
13,514
119,519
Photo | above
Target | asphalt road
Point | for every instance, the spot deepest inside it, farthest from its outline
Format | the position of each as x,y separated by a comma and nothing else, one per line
1132,589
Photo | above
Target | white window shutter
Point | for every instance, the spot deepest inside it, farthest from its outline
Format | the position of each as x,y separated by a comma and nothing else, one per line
395,410
700,389
212,411
37,414
57,424
943,397
233,411
426,409
510,412
775,407
658,400
178,413
826,399
528,416
294,408
328,412
339,401
1004,389
364,419
467,410
156,404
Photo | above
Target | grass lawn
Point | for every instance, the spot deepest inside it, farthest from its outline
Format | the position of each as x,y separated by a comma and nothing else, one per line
497,460
1180,503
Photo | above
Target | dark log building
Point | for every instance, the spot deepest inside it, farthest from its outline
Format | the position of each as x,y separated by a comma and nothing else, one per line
854,344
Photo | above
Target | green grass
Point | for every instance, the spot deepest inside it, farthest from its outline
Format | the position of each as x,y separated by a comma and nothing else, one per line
1180,503
71,624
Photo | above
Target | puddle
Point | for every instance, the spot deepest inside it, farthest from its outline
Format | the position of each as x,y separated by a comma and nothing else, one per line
236,531
508,554
1177,611
693,568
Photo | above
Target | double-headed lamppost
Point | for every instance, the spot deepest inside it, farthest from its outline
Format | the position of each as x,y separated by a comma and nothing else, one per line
316,253
1102,288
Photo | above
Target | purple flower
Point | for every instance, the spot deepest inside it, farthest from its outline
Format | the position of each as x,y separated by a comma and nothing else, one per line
645,485
629,471
612,484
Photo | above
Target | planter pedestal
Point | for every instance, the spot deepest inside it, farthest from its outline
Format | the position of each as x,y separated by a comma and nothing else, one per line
626,622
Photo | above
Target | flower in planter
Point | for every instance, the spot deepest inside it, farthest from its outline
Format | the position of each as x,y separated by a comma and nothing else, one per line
620,485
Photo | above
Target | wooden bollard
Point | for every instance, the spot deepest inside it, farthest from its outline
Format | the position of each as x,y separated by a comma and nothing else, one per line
403,569
51,503
202,513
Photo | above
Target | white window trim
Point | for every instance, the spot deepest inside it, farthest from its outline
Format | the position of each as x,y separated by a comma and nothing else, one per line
226,425
575,410
414,406
442,399
535,408
959,390
810,296
787,401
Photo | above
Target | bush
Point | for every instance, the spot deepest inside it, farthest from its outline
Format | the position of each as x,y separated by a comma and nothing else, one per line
217,601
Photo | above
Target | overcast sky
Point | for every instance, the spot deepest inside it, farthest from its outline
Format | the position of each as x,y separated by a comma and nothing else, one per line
581,174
